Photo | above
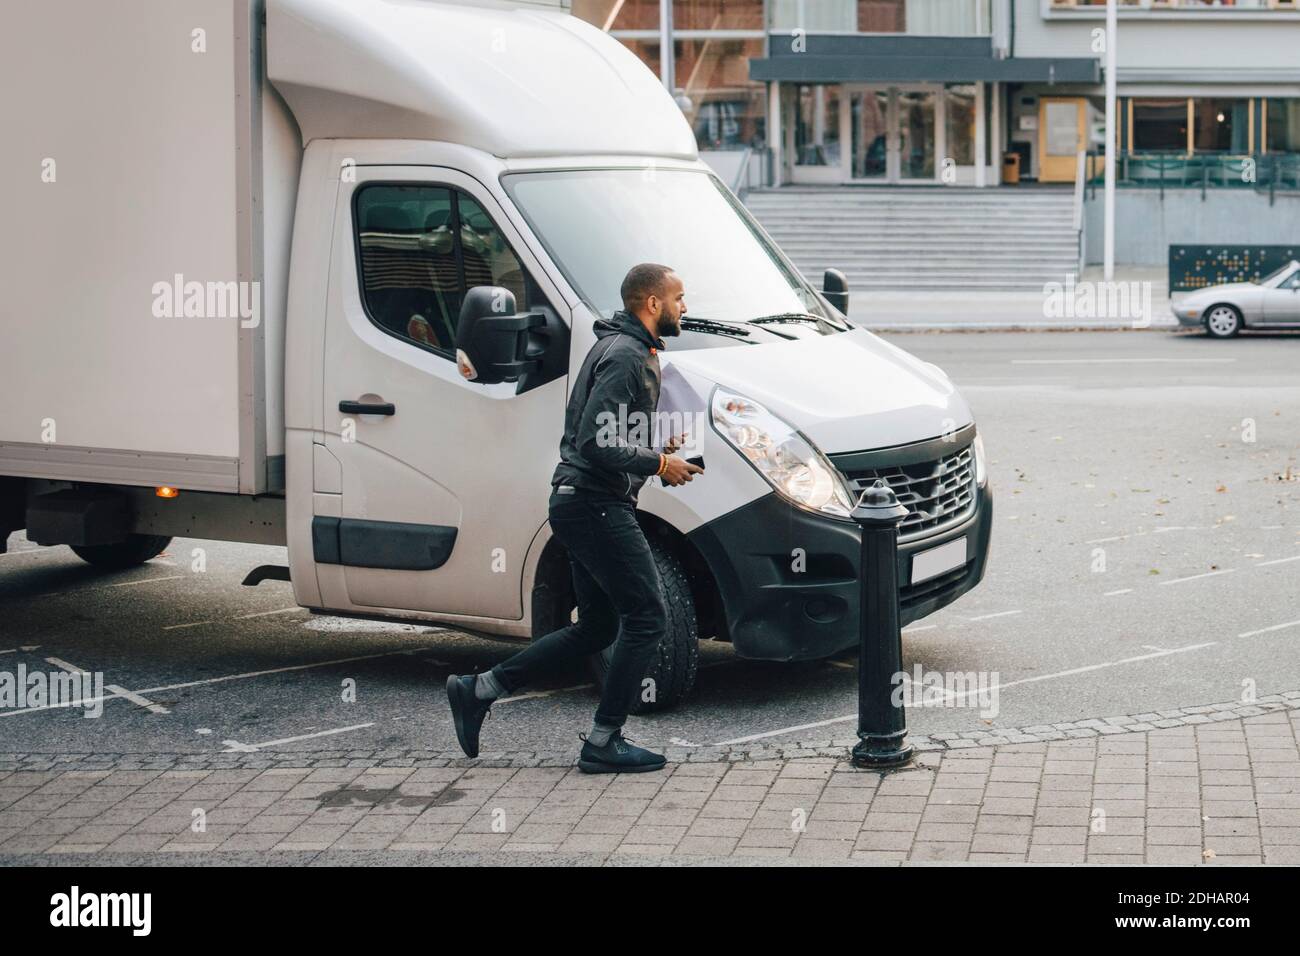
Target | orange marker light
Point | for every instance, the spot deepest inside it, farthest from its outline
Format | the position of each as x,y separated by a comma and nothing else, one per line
164,491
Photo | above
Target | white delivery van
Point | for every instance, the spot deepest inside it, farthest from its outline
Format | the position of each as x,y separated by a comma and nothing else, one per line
242,238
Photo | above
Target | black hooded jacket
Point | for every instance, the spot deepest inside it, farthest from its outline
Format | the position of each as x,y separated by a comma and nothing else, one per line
609,421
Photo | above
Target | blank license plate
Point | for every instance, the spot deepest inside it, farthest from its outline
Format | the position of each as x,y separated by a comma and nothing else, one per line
936,561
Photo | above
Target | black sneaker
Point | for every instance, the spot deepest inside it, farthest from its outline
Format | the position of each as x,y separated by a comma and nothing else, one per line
617,756
467,711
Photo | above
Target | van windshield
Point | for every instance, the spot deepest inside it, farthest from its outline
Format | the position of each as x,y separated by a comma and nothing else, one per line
598,223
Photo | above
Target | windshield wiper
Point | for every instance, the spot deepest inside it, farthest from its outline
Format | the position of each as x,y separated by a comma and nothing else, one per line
782,317
716,328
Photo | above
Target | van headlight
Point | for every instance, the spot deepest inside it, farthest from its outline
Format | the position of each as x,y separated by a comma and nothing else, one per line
981,468
790,463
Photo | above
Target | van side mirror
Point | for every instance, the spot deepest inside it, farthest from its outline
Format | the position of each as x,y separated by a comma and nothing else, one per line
835,287
492,342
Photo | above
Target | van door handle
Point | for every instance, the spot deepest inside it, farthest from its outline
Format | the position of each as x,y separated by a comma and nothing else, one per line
367,408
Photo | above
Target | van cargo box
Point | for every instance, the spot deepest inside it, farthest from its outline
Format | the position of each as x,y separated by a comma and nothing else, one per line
145,277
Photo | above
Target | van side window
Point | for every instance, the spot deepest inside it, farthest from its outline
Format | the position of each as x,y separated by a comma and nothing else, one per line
420,249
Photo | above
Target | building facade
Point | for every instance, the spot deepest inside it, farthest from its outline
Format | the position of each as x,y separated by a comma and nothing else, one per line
941,91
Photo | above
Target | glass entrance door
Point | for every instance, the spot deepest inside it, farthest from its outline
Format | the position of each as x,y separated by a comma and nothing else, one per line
916,135
869,132
814,122
893,134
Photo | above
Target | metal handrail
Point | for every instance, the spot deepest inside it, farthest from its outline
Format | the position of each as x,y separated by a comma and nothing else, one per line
1079,177
1272,172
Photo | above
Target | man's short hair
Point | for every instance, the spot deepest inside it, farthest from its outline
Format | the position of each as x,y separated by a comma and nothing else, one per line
641,282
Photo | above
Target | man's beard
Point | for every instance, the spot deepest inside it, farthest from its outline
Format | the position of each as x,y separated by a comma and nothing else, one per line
665,325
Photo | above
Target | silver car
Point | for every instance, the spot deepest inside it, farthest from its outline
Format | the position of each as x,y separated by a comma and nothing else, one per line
1224,310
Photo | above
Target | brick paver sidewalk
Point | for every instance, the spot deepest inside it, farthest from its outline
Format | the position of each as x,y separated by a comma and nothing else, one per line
1221,791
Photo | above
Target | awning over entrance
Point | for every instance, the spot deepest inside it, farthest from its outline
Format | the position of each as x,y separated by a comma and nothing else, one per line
852,58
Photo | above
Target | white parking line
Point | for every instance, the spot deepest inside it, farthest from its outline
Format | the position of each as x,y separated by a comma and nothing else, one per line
1120,591
283,610
1266,630
234,746
1264,564
116,690
912,628
218,680
541,693
127,584
240,617
120,584
1197,577
985,617
1122,361
136,699
950,694
281,670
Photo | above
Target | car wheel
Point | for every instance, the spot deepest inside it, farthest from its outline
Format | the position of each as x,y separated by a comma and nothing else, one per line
672,667
1222,321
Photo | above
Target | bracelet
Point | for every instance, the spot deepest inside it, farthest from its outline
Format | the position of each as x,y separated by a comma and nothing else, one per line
663,464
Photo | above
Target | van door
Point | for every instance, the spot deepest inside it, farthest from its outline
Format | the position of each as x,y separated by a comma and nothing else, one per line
440,485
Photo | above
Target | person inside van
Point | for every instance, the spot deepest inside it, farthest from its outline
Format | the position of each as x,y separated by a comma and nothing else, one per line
592,512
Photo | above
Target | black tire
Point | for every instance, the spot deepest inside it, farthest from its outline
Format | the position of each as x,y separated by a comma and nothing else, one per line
1223,321
135,550
674,664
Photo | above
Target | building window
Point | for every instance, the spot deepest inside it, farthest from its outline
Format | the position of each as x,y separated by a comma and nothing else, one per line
1220,125
814,16
717,14
1160,125
713,42
618,15
1282,126
726,109
882,16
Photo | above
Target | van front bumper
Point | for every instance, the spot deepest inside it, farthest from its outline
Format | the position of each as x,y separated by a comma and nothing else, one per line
788,579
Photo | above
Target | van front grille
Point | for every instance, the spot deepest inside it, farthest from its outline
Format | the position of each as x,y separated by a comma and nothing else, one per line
937,493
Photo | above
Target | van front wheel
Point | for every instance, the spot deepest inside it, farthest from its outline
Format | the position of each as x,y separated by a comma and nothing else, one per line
135,550
670,675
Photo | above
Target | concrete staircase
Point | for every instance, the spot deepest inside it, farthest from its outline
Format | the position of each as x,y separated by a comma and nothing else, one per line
937,238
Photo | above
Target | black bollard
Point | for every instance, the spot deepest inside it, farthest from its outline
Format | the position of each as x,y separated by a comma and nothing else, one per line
881,725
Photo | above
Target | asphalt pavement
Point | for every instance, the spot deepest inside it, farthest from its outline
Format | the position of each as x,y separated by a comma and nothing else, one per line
1146,556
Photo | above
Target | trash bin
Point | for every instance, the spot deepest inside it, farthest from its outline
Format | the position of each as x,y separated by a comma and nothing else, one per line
1010,169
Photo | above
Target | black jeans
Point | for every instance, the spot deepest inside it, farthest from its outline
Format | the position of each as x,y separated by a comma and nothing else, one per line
619,596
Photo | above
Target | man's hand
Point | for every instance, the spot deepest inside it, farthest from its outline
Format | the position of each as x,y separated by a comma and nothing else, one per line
678,471
674,444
